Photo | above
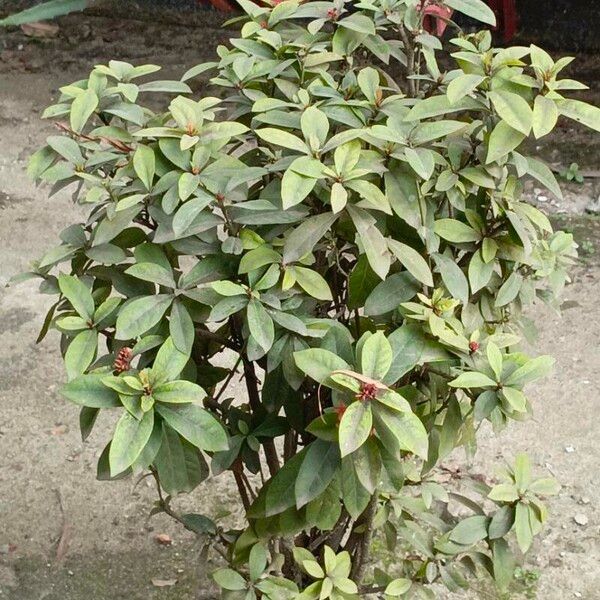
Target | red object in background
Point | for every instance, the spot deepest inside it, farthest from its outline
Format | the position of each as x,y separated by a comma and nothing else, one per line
222,5
506,17
435,18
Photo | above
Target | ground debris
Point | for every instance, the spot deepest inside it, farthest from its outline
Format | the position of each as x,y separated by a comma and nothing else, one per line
163,539
163,582
40,29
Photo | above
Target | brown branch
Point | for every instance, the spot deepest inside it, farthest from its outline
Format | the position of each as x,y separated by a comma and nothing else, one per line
364,548
410,61
237,469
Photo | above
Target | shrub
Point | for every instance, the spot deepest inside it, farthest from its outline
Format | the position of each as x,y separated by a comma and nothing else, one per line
352,240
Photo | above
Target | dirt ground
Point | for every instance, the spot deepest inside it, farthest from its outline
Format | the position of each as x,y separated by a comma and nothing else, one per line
63,535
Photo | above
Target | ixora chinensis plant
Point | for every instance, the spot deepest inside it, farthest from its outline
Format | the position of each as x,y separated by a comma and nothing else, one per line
345,230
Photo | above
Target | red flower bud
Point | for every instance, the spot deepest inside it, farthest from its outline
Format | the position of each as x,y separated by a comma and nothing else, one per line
473,347
123,361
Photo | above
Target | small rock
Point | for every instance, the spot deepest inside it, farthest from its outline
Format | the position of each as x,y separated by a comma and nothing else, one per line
569,449
542,198
584,500
581,519
577,594
59,429
163,539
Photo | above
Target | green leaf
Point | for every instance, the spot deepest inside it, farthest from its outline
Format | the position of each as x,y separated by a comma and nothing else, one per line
44,11
473,379
456,231
522,471
196,425
439,105
82,109
402,430
318,364
178,392
278,493
376,356
303,238
470,530
259,257
139,315
453,277
361,283
503,564
67,148
347,156
338,198
181,328
504,492
279,137
387,295
545,487
108,254
509,290
88,390
169,362
354,495
372,239
476,9
295,187
538,170
312,283
411,347
421,161
180,466
480,272
81,352
412,261
315,127
128,441
229,579
260,324
494,357
144,164
545,116
503,139
355,427
515,398
533,369
397,587
579,111
523,527
77,293
318,468
87,419
148,271
501,523
513,109
462,86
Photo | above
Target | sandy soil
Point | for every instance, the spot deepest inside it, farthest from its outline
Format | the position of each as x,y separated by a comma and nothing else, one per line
63,535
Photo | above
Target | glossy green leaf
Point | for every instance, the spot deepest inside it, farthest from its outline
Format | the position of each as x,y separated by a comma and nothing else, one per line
128,441
196,425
